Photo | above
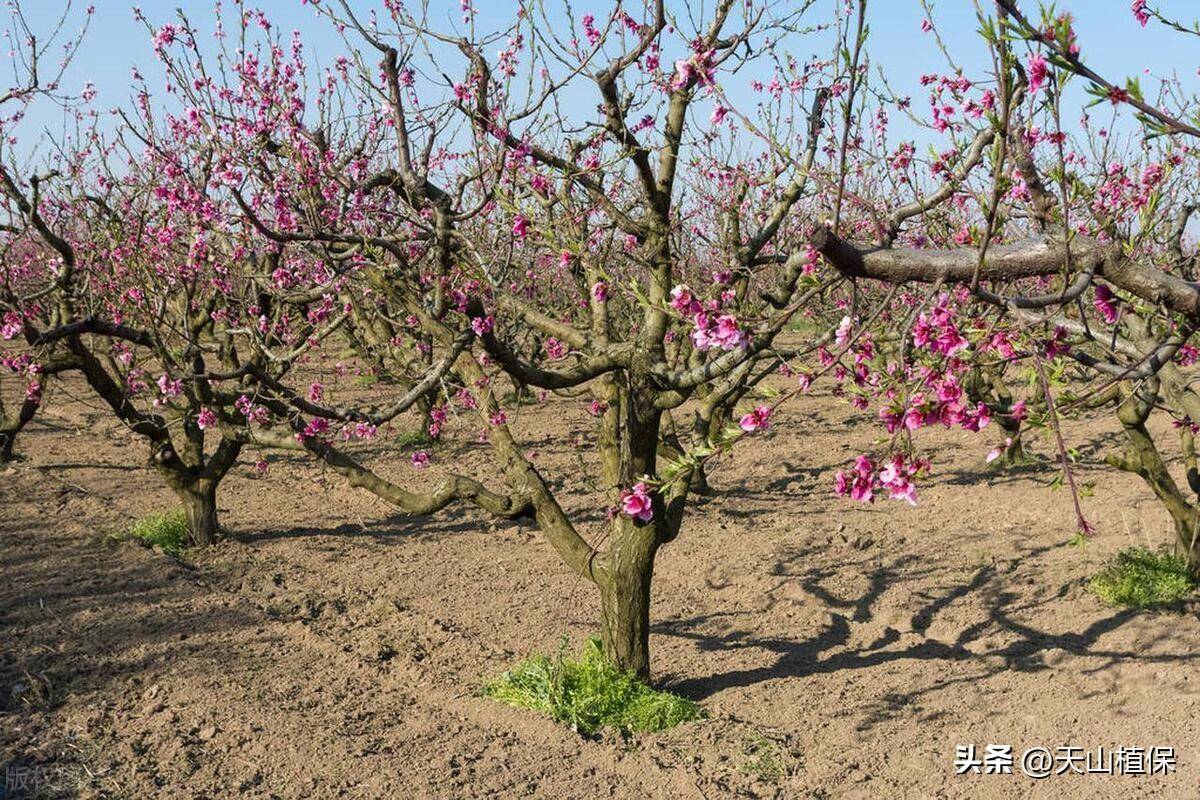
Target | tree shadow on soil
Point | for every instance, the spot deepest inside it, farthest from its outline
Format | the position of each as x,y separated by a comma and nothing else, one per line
1024,646
78,616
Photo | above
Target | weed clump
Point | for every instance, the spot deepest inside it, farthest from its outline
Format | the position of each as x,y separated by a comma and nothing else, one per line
1142,578
588,693
167,530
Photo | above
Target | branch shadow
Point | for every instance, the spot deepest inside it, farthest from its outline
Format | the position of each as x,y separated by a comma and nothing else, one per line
831,649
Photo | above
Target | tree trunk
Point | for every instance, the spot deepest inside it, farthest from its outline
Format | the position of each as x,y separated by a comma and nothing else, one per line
200,506
1143,458
1014,453
11,427
625,596
700,485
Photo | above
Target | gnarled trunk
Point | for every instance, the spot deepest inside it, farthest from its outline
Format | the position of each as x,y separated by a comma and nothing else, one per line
200,507
627,565
1014,453
624,582
9,428
1142,457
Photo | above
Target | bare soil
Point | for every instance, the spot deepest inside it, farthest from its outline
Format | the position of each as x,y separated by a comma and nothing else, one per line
332,649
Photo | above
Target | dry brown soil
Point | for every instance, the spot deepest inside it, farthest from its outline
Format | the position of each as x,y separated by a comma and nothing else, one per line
330,649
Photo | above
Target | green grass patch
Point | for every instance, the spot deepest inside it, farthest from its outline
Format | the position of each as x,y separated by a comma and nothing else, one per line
588,693
767,759
412,437
1142,578
168,530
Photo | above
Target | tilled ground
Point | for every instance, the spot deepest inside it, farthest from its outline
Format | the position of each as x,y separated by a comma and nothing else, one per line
330,649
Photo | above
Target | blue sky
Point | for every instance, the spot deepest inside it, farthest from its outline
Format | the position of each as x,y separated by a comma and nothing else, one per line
1111,40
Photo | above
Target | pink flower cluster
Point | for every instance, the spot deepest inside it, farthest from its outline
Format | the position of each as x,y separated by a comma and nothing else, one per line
169,387
1140,13
206,419
520,227
437,418
315,427
711,329
944,402
482,325
12,325
1038,69
699,68
253,413
935,329
866,478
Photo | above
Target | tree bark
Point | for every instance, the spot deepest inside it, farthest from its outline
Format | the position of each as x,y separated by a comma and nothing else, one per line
9,428
625,596
1014,453
200,507
1143,458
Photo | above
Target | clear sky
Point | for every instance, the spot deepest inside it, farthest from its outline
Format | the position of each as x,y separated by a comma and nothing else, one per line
1112,42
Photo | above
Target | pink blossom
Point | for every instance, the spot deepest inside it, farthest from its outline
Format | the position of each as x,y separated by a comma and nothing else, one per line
168,387
1056,345
896,477
482,325
1037,70
466,399
420,459
520,227
315,427
1104,302
164,36
206,418
756,420
977,419
998,451
12,325
842,335
683,301
1140,13
636,503
683,74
